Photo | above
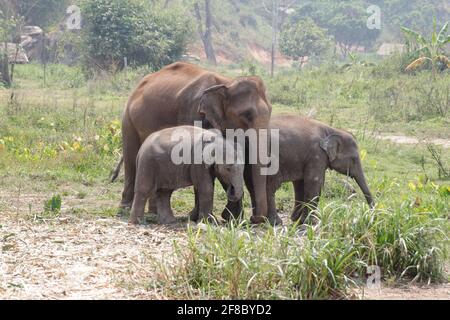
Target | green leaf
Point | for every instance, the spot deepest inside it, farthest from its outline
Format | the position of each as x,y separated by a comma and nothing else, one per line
443,33
415,36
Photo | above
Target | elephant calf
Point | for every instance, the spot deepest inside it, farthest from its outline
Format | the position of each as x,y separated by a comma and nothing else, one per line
307,149
168,160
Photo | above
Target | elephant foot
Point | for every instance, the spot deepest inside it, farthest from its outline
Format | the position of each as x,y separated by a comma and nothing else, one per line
152,208
194,215
275,220
167,220
135,221
232,211
258,219
295,216
303,218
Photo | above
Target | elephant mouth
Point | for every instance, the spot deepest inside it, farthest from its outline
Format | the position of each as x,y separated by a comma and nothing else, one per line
232,194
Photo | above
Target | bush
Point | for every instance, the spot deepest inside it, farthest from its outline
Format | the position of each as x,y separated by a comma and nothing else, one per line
115,29
303,39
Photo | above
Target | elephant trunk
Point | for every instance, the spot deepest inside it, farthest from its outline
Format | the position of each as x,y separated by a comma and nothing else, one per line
235,190
362,183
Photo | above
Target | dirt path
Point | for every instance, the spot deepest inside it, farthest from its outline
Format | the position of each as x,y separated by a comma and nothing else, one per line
410,292
399,139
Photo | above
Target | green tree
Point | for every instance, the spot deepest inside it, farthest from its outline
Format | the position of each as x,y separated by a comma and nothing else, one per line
346,21
304,38
145,35
10,25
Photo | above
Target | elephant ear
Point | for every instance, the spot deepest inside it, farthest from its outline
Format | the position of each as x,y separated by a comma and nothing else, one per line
212,105
209,151
331,146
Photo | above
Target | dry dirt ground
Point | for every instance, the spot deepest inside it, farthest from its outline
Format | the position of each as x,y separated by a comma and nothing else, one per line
80,256
445,143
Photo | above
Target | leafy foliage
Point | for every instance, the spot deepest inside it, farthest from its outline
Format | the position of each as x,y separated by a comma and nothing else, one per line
345,20
53,205
117,29
431,50
304,38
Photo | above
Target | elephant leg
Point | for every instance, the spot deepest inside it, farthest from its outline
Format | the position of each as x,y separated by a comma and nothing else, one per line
313,185
137,210
249,184
194,215
260,192
165,213
274,218
233,210
131,145
299,188
152,206
205,201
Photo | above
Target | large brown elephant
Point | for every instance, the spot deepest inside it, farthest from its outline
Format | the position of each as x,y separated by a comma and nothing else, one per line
182,93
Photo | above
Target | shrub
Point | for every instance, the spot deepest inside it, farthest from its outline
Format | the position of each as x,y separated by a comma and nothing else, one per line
53,205
118,28
303,39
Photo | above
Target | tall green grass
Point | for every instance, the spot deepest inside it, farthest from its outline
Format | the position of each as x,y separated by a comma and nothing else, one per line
324,261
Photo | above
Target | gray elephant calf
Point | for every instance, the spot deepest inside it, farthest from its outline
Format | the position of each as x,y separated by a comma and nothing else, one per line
180,157
307,149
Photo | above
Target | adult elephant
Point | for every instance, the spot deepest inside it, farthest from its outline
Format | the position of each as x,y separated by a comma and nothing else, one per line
182,93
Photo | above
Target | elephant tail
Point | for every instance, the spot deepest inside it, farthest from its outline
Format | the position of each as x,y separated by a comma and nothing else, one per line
115,172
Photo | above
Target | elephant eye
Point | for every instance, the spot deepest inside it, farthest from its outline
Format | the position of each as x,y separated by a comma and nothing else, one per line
247,115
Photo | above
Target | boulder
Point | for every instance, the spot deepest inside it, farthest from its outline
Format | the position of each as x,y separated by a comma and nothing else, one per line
31,41
15,52
31,31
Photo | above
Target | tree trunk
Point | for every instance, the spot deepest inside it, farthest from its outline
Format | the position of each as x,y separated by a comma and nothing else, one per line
274,36
4,67
207,35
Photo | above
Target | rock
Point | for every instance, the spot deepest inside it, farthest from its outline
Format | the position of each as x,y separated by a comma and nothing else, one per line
31,41
31,31
15,52
190,58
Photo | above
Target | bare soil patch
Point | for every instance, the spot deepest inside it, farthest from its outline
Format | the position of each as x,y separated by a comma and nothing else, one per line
410,292
81,257
399,139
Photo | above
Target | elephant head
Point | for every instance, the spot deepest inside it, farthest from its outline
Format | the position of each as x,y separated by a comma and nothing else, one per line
241,104
343,156
233,176
216,152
